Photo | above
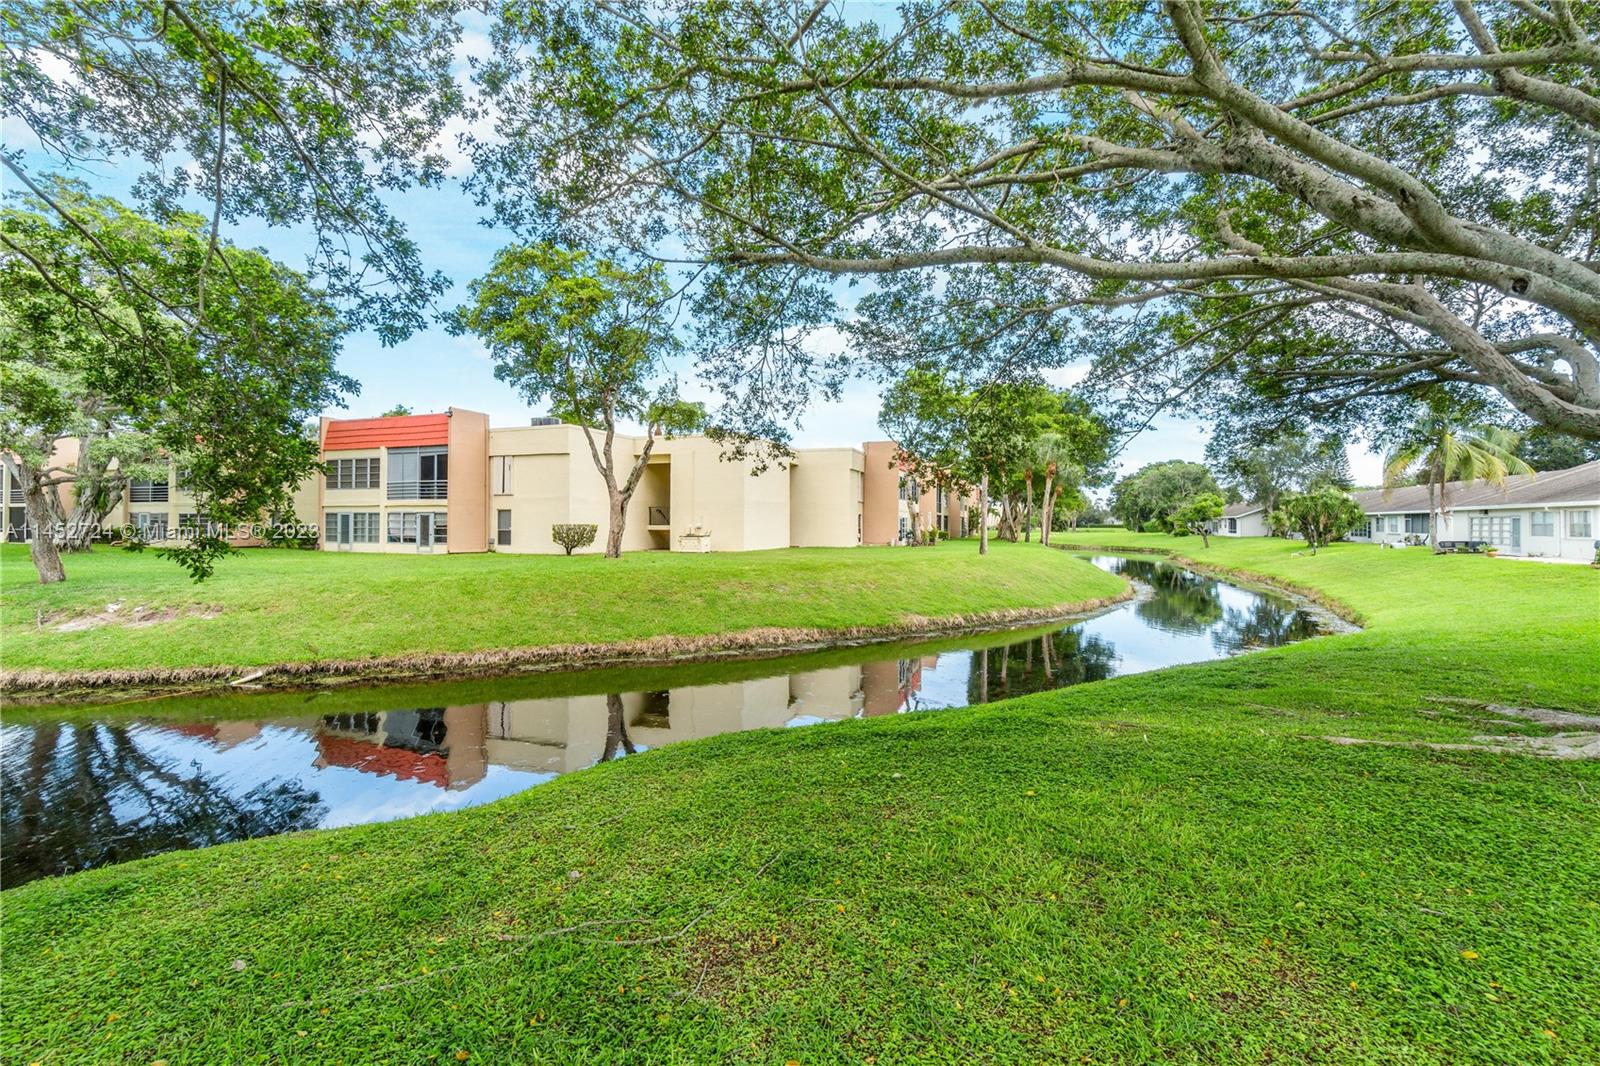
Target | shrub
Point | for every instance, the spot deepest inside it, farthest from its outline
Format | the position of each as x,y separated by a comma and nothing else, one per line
572,535
1320,517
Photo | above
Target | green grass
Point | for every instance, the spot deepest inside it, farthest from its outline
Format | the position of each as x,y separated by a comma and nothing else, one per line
290,606
1166,867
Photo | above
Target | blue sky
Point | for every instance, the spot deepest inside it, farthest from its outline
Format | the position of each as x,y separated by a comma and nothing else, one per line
433,370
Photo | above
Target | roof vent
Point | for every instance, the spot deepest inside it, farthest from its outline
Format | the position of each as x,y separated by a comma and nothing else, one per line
544,420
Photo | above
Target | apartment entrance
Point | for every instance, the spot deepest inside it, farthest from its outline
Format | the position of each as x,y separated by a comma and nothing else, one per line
344,523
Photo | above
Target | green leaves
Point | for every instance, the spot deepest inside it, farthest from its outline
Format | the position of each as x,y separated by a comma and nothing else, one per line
141,338
286,112
581,332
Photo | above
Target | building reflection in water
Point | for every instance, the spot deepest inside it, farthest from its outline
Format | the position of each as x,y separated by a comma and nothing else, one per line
83,792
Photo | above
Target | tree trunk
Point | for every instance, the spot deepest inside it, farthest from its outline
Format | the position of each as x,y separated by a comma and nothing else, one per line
619,496
616,520
95,498
1027,528
983,513
1049,507
1434,519
46,559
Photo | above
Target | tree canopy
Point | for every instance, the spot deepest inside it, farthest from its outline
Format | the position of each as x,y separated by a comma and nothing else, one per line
1153,492
589,335
284,112
1285,211
1288,461
221,376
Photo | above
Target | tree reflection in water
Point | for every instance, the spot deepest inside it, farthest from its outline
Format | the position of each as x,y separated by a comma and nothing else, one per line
1264,624
92,794
1183,601
1051,661
80,793
616,729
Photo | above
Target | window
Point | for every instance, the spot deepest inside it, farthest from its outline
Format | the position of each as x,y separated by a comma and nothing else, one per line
402,527
405,527
353,473
419,473
147,492
500,474
152,525
1500,530
360,527
1416,523
1543,524
1578,524
502,527
1233,525
1392,523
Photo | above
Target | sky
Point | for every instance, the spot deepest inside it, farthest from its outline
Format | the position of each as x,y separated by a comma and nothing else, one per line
433,370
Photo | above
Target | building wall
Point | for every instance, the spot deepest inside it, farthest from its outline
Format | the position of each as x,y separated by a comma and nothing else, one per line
368,501
880,509
826,490
741,510
554,481
469,481
1250,525
1457,524
465,505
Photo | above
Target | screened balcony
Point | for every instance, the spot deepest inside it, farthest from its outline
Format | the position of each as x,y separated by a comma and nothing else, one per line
418,474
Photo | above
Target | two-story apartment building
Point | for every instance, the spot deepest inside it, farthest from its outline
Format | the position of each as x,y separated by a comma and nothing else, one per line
414,483
450,482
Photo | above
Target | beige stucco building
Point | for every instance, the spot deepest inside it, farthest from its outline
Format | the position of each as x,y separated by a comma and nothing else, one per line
450,482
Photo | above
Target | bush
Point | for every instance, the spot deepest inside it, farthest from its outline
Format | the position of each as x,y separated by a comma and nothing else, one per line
1321,517
572,535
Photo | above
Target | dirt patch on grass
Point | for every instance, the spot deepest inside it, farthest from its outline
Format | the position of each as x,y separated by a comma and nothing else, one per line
1580,738
120,614
54,685
1556,746
718,961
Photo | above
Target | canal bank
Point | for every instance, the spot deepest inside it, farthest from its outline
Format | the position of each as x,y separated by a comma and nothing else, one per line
127,620
106,782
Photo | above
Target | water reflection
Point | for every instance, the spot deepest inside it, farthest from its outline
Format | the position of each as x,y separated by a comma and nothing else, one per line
101,786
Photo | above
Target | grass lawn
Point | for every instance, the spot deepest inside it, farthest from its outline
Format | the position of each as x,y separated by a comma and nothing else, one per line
290,606
1165,867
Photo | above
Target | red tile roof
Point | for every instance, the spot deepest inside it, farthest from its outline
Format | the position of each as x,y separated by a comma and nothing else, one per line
372,758
400,431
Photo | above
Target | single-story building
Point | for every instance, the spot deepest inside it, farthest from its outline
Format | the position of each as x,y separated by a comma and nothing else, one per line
1552,515
1241,520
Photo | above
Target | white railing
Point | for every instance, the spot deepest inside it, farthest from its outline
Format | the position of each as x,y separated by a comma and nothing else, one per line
425,489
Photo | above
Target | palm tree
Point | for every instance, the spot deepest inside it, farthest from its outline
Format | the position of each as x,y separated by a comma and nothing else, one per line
1437,450
1053,453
